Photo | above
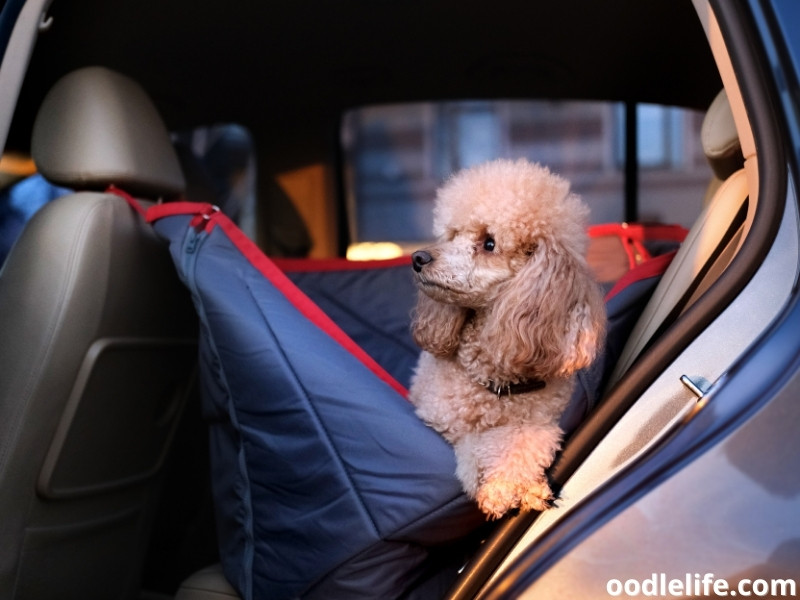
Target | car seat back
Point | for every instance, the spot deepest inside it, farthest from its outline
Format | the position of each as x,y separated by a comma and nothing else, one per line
98,350
711,243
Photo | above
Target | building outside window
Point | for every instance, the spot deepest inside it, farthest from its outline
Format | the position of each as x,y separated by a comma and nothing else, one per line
396,156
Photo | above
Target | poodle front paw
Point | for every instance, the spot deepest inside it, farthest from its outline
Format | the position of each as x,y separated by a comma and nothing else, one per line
537,497
497,496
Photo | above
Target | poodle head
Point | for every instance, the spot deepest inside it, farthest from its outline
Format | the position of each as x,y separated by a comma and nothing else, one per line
511,240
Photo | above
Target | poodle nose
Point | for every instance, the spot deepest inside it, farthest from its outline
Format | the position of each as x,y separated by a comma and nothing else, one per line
419,259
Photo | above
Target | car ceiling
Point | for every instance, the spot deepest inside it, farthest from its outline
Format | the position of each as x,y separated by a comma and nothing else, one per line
286,69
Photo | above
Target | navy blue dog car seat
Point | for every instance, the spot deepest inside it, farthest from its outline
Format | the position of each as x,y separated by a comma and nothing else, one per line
326,484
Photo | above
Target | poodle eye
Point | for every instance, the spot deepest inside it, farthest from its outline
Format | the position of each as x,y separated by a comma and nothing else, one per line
488,244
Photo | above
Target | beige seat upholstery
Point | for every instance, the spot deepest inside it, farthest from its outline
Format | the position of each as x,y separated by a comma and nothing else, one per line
98,350
720,142
712,241
207,584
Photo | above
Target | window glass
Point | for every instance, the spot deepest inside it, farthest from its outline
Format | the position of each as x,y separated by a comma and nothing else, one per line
397,155
220,168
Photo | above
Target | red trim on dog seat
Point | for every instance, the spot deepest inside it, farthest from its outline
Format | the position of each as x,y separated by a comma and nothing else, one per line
649,268
305,265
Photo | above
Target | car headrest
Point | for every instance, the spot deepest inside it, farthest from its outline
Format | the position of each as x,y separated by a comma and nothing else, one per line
720,139
95,128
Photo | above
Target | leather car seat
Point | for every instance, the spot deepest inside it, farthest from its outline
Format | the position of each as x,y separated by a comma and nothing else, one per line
98,352
207,584
712,241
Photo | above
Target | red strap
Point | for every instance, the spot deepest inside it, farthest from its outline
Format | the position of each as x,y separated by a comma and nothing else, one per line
112,189
202,210
649,268
633,236
640,231
203,213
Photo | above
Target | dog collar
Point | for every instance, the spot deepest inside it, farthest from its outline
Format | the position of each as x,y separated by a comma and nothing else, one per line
521,387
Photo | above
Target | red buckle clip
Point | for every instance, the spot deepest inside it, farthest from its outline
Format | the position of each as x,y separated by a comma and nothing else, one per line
203,221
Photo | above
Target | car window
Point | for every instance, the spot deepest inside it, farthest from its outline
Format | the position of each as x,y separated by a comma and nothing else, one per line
219,165
397,155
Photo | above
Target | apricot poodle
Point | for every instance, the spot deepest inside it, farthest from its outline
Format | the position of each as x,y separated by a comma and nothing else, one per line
507,313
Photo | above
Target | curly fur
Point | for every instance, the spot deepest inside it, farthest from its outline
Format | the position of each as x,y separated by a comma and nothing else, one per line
505,297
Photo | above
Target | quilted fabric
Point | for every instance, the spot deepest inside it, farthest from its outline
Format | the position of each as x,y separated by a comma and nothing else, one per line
326,483
372,302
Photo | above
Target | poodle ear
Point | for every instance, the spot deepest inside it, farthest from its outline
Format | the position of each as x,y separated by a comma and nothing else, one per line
549,321
436,326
